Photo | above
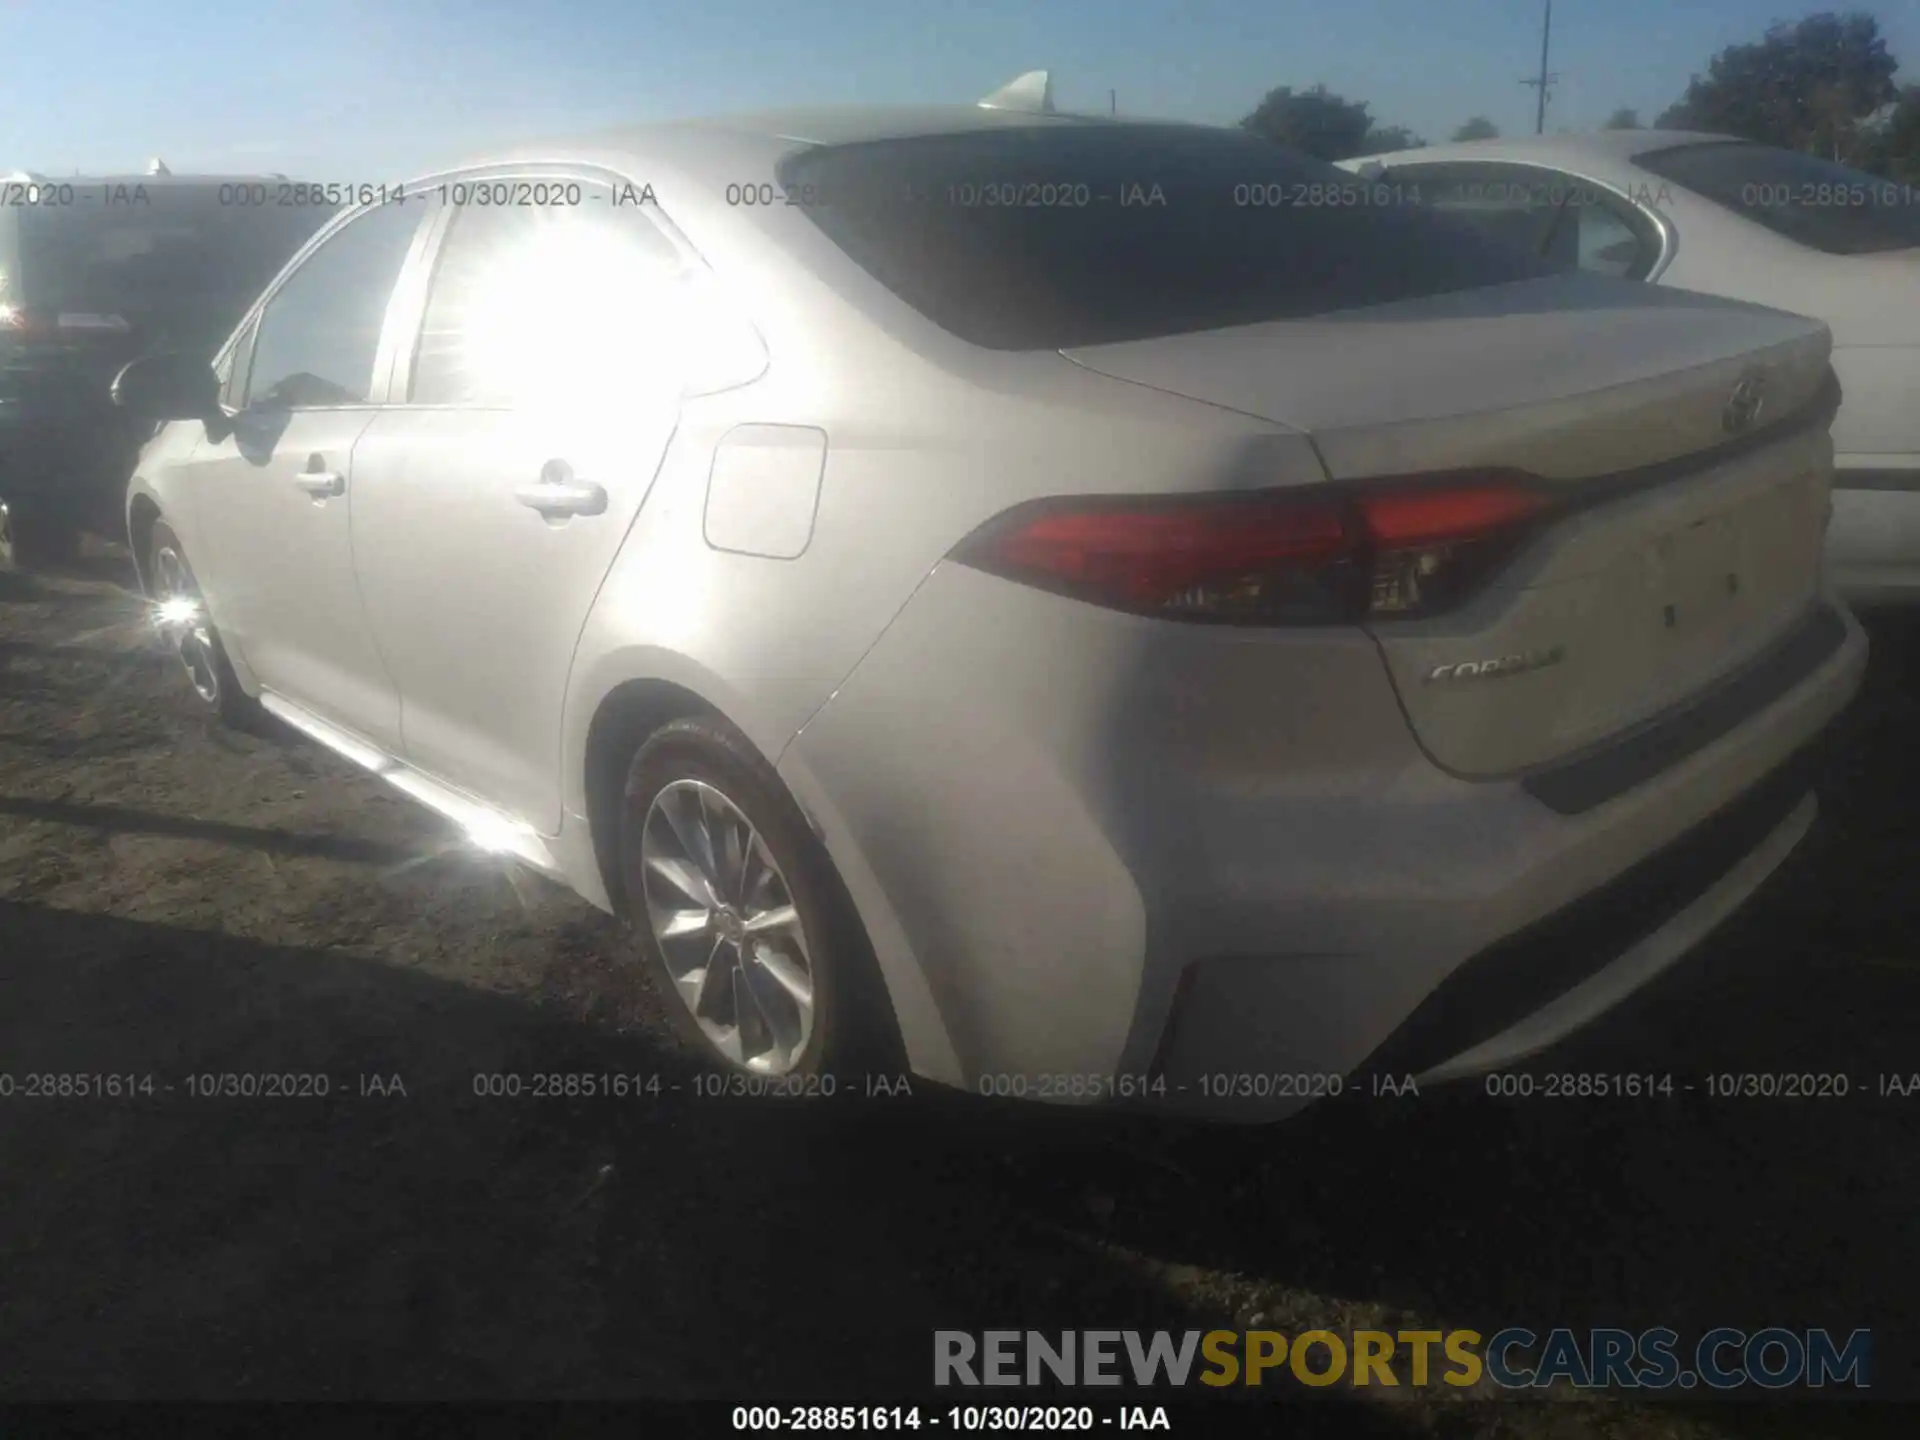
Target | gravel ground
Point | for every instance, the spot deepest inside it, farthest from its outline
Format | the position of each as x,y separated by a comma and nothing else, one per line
177,900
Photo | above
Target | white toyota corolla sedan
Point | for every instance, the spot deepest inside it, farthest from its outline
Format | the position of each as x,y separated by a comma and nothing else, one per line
987,590
1728,217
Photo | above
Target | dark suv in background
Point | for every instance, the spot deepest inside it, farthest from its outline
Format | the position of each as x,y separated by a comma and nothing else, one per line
95,272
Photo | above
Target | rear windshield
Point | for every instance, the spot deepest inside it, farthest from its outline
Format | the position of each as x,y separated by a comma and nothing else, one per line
1066,234
177,262
1813,201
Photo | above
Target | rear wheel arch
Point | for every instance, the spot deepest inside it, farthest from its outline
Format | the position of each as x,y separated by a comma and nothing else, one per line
630,715
625,717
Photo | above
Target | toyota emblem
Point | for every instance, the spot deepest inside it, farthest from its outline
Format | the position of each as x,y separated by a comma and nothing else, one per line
1749,398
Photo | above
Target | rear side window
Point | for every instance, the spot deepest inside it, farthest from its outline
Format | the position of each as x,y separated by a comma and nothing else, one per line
565,305
1809,200
1063,235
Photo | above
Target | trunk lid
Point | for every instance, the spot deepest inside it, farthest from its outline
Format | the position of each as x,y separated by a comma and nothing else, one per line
1694,527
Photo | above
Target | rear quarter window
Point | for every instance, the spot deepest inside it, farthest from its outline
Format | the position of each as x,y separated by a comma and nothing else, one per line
1815,202
1069,234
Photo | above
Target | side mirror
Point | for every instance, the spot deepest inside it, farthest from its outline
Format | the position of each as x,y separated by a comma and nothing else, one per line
168,386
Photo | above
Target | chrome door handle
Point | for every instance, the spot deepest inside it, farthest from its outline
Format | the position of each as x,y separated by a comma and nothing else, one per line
321,482
559,493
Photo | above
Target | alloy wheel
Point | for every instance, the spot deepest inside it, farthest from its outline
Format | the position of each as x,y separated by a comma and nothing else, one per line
181,616
725,923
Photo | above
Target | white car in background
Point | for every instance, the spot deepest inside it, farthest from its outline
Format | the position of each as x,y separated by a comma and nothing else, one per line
1729,217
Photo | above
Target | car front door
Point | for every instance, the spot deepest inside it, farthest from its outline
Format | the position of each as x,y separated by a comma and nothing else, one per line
273,496
490,502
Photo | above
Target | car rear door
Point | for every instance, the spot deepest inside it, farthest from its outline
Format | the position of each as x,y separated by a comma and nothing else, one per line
491,498
271,498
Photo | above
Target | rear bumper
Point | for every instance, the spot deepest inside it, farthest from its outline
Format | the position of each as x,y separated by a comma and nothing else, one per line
1504,989
1090,847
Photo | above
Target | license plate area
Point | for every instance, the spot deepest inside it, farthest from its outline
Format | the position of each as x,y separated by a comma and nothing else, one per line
1694,581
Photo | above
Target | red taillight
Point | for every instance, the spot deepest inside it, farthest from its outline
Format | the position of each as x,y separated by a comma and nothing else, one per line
1417,517
1149,555
1272,557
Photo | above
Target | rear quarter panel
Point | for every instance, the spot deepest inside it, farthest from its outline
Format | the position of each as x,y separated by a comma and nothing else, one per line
916,459
927,437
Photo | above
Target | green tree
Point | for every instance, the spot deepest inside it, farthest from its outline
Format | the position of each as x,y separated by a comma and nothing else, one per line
1625,118
1892,146
1807,85
1478,128
1324,124
1316,121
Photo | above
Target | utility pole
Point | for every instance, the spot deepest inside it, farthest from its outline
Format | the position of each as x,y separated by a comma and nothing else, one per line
1113,102
1546,77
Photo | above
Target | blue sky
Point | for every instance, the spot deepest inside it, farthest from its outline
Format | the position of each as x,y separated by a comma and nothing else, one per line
355,90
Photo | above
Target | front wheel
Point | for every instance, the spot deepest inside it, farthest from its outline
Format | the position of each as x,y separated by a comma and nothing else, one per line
180,615
737,907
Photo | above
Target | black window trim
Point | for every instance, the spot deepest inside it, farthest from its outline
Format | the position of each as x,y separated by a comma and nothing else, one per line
413,296
1648,224
238,356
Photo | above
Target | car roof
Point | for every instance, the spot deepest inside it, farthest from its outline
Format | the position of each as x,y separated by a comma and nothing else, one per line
1607,145
776,132
852,125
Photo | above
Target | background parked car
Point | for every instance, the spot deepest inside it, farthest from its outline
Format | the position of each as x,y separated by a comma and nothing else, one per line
1728,217
93,272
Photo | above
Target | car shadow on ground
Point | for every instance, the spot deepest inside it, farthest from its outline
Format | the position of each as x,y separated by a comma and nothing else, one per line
17,586
407,1235
97,561
121,820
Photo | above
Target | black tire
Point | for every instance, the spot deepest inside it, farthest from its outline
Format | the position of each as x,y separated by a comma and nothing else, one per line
210,675
853,1031
35,537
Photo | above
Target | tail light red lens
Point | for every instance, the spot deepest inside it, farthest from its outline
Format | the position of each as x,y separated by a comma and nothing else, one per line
1299,557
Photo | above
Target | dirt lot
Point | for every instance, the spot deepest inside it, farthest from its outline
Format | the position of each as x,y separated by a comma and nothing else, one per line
175,900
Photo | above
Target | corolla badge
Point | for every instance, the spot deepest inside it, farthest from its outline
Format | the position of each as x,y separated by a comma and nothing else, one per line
1745,404
1499,667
